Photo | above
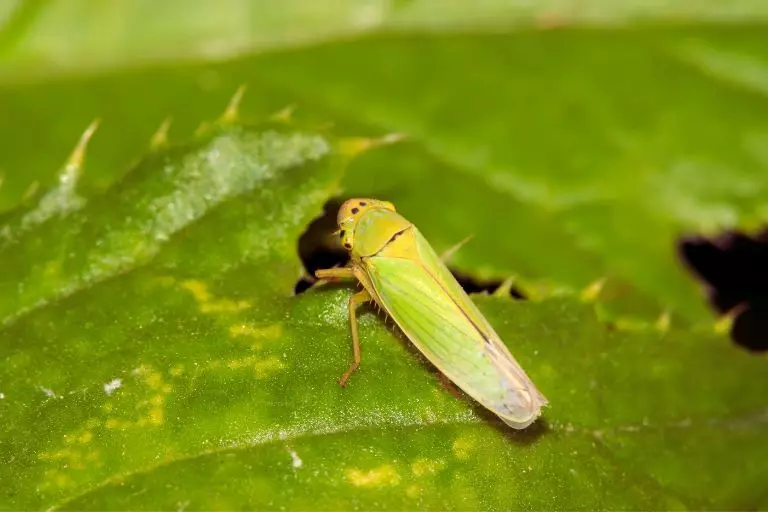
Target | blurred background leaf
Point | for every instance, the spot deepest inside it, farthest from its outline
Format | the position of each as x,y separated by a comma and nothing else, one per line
575,140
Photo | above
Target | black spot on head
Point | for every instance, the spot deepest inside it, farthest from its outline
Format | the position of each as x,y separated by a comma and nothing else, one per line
355,210
363,203
348,245
341,233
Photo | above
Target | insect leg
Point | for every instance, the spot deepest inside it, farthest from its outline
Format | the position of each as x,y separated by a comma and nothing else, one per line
333,274
354,302
447,384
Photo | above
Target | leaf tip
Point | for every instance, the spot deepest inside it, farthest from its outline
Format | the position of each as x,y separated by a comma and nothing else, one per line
448,254
354,146
284,115
203,129
592,291
232,111
724,324
505,288
664,322
631,324
73,166
159,139
31,191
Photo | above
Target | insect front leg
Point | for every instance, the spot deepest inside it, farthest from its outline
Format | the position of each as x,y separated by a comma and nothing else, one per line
334,274
354,302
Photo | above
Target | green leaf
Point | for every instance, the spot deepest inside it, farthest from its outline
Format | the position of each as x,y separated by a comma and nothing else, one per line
65,32
157,359
545,137
155,356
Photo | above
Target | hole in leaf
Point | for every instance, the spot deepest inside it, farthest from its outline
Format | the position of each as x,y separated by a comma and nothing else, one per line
734,268
319,249
750,328
475,285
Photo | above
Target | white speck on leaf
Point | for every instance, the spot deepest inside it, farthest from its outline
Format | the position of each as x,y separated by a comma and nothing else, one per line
295,459
112,385
48,392
2,396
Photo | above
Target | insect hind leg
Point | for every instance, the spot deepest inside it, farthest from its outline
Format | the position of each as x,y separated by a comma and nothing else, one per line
355,301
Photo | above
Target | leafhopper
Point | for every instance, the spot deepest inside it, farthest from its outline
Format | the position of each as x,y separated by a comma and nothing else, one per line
400,271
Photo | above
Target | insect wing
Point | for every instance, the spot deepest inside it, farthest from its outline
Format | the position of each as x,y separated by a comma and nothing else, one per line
495,348
440,319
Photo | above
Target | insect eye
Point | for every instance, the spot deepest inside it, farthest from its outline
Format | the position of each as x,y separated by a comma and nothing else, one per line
355,210
341,233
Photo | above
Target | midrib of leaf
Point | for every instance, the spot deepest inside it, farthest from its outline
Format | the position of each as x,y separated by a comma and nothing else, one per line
287,434
265,438
377,417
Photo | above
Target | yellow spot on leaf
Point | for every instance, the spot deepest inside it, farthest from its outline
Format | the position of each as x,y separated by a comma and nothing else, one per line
262,367
269,332
267,367
208,303
62,480
236,364
52,269
149,412
462,447
85,437
177,370
413,491
156,413
423,467
153,379
65,465
68,458
115,424
383,476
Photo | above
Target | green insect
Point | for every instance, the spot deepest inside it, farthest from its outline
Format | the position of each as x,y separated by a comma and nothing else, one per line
402,273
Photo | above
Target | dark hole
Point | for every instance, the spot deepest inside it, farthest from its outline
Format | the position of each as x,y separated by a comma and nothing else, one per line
473,285
750,328
319,249
734,268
